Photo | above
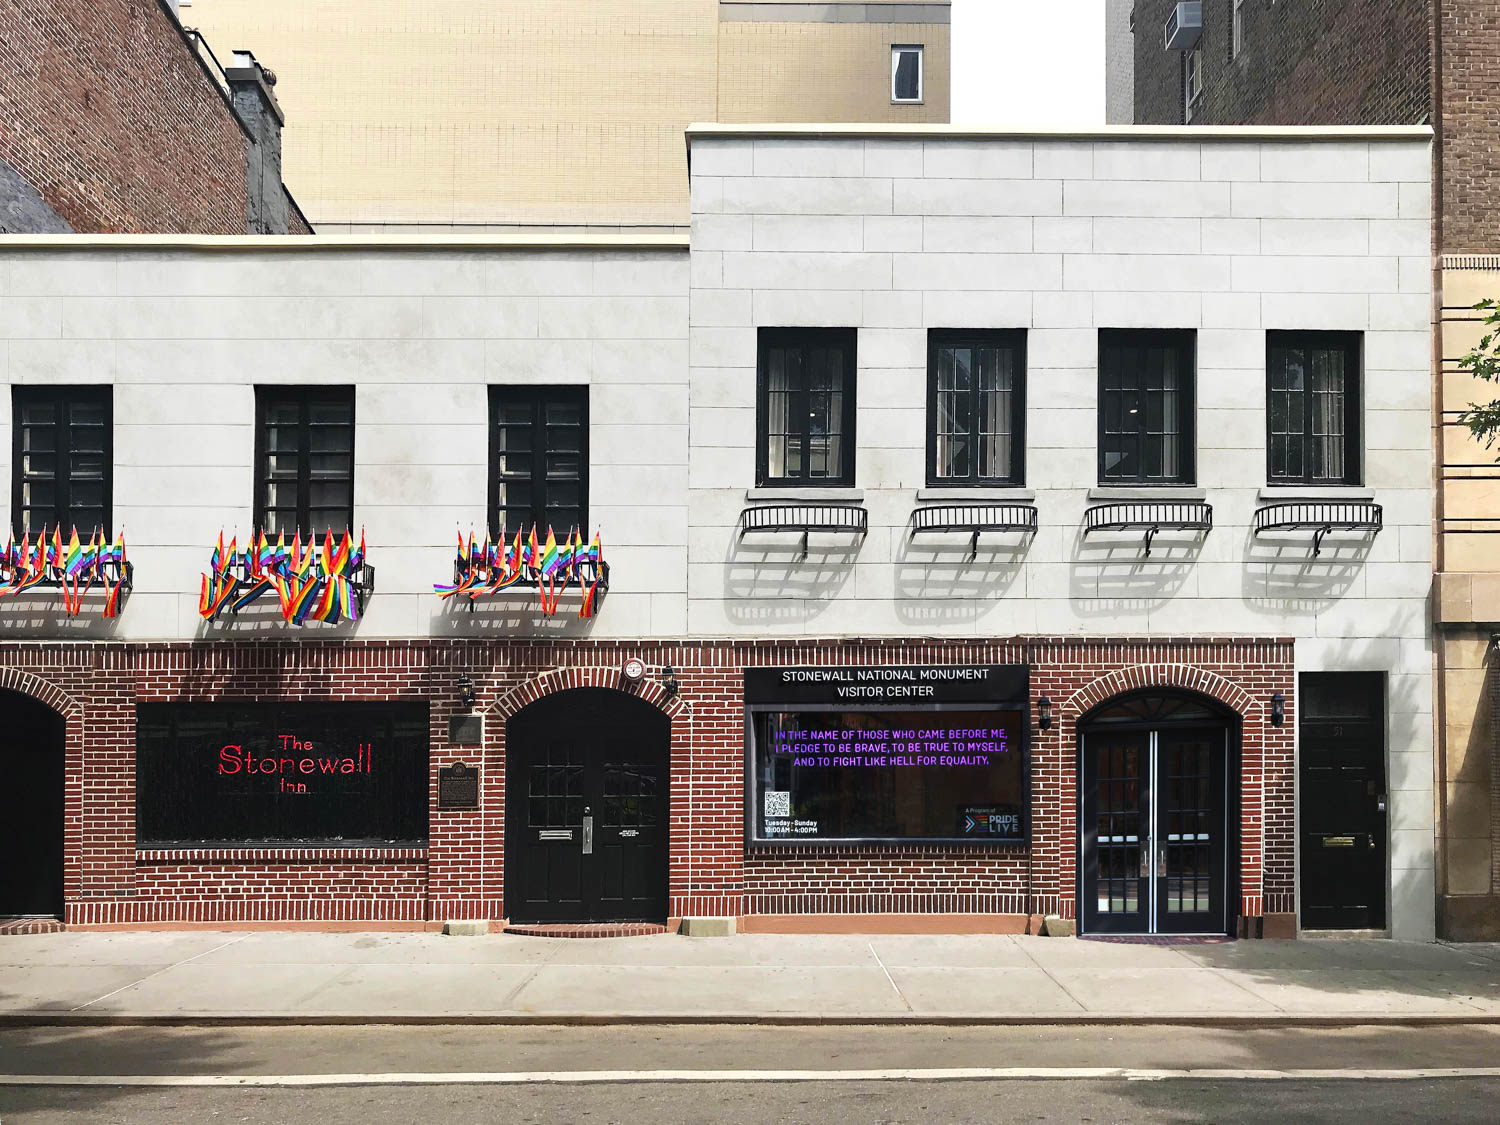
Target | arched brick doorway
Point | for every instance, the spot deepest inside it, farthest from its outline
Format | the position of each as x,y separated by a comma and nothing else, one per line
587,781
32,739
1158,846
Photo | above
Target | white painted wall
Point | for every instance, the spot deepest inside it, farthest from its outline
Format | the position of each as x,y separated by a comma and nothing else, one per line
895,235
186,336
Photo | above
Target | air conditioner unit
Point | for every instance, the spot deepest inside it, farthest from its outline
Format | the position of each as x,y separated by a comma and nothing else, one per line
1184,25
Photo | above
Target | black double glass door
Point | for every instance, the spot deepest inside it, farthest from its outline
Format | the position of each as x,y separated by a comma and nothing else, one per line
1154,830
586,809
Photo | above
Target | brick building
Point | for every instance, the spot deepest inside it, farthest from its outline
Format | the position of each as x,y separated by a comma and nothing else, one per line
113,119
1395,62
959,560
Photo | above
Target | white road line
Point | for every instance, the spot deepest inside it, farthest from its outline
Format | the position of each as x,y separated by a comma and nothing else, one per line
568,1077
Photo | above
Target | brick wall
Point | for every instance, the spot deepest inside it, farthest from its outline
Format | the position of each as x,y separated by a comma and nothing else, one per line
1471,126
461,872
107,112
1334,62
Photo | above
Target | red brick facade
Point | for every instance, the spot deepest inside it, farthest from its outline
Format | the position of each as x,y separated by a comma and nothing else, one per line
460,873
1469,76
106,110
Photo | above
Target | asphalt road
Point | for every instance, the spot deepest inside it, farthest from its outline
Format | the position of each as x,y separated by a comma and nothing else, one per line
282,1054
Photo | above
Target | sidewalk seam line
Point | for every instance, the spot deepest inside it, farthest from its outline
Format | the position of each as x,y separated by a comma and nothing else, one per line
899,995
164,969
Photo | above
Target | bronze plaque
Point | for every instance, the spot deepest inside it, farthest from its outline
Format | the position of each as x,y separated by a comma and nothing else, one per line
458,787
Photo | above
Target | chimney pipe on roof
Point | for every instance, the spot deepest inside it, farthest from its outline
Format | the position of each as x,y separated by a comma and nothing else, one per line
250,87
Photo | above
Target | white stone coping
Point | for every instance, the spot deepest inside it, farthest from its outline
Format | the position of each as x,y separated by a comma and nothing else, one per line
1334,492
711,130
335,242
1013,494
797,495
1147,492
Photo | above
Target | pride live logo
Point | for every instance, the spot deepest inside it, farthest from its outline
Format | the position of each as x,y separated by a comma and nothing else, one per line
296,759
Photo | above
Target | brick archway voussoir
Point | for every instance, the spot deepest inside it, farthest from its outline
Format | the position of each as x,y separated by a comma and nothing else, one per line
43,691
1146,676
566,679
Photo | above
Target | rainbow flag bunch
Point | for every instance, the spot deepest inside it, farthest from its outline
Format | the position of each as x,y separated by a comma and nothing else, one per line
482,569
73,567
311,582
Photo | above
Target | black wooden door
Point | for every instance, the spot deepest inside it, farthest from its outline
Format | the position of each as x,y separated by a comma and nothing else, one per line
586,809
1342,806
31,807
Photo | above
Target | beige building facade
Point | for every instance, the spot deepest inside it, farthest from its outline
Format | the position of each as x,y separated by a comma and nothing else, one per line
433,114
1467,610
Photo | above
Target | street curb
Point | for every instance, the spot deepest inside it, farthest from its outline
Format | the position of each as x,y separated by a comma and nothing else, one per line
520,1019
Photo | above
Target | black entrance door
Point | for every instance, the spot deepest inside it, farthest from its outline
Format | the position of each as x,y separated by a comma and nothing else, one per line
1342,809
1155,821
586,809
31,807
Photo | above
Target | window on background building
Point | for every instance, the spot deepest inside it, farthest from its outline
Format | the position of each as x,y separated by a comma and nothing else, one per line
1192,62
304,460
1146,406
63,459
539,460
976,407
1312,407
906,72
805,407
1237,29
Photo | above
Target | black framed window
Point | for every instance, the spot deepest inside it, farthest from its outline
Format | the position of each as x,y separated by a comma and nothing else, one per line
976,407
63,463
539,460
1146,406
304,460
805,406
1313,407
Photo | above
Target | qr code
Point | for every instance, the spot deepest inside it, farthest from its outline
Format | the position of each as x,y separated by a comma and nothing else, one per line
778,802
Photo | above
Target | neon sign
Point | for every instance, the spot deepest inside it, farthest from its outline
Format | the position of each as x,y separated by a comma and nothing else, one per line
74,568
483,570
330,584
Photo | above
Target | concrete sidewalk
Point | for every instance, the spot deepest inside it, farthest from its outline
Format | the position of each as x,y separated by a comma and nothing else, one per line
398,977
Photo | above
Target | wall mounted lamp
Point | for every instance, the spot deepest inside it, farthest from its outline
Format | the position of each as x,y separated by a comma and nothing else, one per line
669,685
1278,709
1044,713
466,693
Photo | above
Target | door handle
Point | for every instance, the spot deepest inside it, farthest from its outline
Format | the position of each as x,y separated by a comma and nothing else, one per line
588,835
1161,862
1145,859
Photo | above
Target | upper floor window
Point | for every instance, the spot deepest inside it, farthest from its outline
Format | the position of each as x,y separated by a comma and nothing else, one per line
906,72
805,407
1312,407
976,407
304,460
63,459
1192,62
539,460
1146,406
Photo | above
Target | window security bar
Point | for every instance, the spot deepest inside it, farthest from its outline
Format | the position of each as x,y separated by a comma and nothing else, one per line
975,519
805,518
1150,516
1321,517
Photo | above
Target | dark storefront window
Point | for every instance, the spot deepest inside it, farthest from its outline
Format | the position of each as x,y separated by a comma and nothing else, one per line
1145,406
539,460
976,407
240,773
63,459
304,460
805,409
896,753
1312,407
